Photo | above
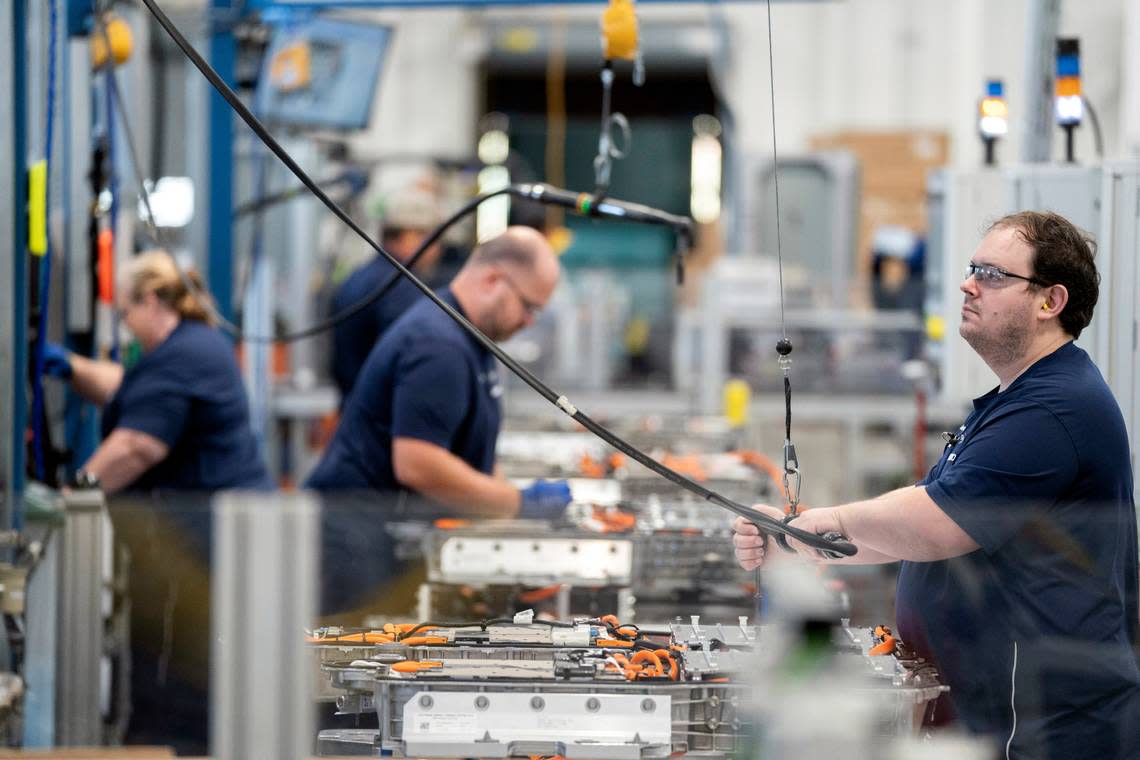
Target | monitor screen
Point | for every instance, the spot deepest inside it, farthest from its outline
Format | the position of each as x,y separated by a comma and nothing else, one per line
321,73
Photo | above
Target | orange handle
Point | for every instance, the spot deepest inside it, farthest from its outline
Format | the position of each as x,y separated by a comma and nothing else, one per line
105,263
416,641
415,666
613,643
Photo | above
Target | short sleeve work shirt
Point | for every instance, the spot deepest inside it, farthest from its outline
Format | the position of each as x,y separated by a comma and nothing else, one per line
188,393
425,379
353,339
1034,631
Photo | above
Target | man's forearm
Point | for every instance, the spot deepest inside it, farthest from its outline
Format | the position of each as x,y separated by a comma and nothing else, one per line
439,474
905,524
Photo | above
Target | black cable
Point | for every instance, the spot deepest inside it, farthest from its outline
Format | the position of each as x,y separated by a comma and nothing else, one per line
787,408
1098,137
482,624
381,290
323,325
761,520
265,201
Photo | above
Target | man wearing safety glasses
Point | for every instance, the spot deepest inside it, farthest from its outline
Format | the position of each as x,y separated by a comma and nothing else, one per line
1018,550
424,415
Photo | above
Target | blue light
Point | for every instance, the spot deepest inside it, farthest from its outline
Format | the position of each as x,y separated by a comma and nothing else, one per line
1068,66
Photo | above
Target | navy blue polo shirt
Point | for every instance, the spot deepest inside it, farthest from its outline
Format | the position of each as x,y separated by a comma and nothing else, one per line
1033,632
425,379
188,393
353,339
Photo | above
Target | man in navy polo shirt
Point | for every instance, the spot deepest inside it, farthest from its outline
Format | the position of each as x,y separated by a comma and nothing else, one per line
424,415
1019,549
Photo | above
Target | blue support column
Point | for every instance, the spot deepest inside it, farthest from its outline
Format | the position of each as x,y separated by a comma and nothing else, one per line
223,57
18,183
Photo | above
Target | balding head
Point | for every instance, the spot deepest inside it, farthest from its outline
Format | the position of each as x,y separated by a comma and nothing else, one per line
506,281
519,247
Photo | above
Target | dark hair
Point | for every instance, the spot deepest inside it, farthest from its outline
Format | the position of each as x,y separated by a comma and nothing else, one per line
1062,255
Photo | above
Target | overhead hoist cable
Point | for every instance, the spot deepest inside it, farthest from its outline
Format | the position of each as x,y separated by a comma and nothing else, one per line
776,176
760,519
791,476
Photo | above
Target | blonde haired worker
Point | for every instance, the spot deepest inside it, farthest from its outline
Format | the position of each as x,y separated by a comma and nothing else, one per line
178,419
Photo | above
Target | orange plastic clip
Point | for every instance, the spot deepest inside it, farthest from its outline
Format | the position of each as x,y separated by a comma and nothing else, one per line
415,666
418,641
887,646
614,643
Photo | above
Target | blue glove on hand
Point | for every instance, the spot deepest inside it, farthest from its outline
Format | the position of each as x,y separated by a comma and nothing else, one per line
57,361
544,500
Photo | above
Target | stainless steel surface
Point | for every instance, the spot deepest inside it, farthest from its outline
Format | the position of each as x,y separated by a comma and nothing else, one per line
263,592
1116,318
40,649
697,635
79,660
352,742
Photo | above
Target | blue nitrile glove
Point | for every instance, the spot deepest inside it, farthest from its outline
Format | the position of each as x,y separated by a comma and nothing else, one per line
544,499
57,361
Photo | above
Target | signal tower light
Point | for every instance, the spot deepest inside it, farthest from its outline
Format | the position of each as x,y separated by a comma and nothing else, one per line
1068,106
993,117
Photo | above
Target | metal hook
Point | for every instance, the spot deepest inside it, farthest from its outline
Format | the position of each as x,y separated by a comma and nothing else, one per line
792,480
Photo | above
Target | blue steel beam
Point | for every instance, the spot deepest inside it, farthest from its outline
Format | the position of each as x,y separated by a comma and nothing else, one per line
219,256
261,5
18,183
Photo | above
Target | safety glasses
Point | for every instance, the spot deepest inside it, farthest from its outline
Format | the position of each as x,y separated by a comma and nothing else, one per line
991,276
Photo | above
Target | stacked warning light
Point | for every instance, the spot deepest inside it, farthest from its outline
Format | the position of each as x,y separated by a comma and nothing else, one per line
993,113
1068,106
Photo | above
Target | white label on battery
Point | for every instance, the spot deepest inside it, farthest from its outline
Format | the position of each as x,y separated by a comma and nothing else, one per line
555,723
446,723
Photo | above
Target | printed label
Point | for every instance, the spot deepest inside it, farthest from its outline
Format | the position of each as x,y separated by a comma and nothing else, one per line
446,723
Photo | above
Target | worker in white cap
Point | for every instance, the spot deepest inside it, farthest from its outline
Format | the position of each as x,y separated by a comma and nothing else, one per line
409,217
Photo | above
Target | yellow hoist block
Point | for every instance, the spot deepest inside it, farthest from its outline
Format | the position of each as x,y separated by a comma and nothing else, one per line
122,43
619,31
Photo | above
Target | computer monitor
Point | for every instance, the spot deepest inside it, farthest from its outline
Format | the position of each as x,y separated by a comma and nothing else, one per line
321,73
